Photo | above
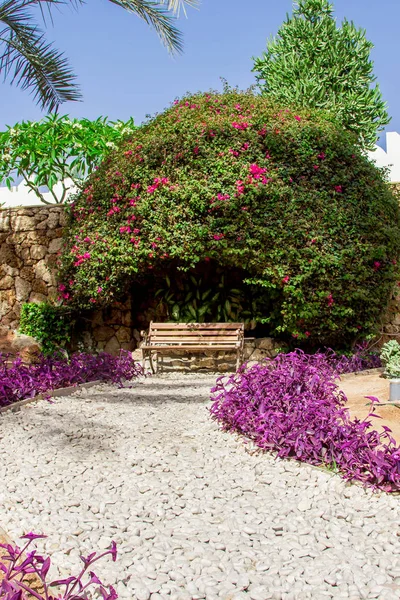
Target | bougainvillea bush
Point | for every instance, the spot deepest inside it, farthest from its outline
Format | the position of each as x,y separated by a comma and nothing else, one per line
234,178
19,565
19,381
292,406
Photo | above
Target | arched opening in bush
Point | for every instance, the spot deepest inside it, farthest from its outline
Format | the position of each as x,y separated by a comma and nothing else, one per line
206,293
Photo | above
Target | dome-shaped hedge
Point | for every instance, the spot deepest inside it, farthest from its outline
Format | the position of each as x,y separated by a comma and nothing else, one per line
285,195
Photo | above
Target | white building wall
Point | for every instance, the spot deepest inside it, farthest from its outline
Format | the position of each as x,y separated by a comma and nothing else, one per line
21,195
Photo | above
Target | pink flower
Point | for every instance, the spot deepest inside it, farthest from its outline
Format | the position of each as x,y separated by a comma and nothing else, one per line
153,245
330,300
86,255
62,287
307,333
286,279
377,265
233,152
257,171
267,154
128,153
316,167
313,241
87,239
339,189
239,187
71,282
322,156
99,290
240,126
218,236
196,150
125,229
297,118
245,146
223,196
92,300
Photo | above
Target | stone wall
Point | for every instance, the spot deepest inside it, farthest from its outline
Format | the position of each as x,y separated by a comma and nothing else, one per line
255,349
30,239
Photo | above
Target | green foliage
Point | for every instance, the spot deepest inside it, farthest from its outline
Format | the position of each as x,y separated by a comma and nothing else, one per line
50,325
202,299
286,196
314,64
390,357
57,150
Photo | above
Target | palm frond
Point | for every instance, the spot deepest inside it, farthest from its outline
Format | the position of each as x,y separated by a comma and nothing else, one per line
29,61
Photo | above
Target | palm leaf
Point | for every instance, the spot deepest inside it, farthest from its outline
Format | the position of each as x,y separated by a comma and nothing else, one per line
31,62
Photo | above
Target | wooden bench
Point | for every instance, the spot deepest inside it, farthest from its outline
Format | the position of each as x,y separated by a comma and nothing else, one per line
193,337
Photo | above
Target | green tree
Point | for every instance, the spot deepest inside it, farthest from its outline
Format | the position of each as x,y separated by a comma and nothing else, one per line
57,152
29,61
313,63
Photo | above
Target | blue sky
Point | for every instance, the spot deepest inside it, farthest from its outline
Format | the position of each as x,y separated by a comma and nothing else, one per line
124,70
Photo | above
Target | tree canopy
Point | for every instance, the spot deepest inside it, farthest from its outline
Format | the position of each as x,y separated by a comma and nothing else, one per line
57,152
313,63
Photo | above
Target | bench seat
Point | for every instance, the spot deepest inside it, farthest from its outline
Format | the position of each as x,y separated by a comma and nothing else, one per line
193,337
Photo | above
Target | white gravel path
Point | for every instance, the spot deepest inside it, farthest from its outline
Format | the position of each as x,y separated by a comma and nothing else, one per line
195,513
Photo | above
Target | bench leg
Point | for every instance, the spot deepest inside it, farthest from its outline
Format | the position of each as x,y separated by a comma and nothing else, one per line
237,360
151,363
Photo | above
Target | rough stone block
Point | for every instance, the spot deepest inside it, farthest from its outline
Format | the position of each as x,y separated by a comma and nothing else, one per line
207,363
22,223
22,289
112,346
42,271
38,252
55,245
103,333
5,223
37,298
123,335
6,283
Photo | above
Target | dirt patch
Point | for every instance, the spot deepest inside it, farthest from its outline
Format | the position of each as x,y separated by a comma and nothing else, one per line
357,387
31,579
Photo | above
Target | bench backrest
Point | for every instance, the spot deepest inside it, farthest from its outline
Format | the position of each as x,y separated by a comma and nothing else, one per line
230,335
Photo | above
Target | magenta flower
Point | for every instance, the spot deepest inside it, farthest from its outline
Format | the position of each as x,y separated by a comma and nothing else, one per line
257,171
339,189
377,265
218,236
297,118
61,287
99,290
286,279
330,300
322,156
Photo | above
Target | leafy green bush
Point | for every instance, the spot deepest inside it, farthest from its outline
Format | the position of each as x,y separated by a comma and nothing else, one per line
390,357
285,195
50,325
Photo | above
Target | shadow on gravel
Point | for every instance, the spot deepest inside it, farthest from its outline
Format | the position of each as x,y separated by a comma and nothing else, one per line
152,397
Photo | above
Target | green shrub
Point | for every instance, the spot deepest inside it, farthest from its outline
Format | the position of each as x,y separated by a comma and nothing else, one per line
390,358
283,194
50,325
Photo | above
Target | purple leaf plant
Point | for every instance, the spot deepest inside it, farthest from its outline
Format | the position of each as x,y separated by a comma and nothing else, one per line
291,405
20,564
19,381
